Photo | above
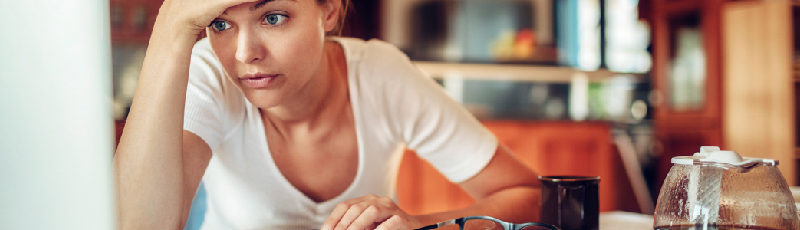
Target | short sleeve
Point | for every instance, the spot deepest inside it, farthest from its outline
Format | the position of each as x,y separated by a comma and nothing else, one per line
203,114
426,118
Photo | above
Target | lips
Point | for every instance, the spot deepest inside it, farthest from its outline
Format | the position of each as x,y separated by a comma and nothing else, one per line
258,80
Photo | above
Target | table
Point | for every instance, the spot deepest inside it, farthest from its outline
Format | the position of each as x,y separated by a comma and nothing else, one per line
619,220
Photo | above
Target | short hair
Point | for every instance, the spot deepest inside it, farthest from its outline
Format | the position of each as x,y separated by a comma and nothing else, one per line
337,30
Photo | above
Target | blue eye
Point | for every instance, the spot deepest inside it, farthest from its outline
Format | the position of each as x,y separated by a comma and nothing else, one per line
274,19
220,25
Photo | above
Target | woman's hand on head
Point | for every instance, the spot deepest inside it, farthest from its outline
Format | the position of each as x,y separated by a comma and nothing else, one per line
192,16
369,212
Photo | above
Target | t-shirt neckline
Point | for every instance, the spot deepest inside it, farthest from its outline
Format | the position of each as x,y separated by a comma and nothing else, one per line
354,105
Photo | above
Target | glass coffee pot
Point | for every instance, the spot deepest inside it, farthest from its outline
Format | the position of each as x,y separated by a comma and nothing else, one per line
721,190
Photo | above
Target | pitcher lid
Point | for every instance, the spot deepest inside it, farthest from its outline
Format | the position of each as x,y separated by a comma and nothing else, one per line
713,154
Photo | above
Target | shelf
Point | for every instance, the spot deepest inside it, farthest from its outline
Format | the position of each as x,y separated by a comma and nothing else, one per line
556,74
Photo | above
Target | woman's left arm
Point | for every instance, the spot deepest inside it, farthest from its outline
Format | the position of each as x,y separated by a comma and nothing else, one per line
505,189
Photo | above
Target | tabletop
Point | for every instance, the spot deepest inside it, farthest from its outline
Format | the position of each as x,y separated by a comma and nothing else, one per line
619,220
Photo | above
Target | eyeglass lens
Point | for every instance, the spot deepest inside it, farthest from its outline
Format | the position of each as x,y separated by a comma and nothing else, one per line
448,227
480,224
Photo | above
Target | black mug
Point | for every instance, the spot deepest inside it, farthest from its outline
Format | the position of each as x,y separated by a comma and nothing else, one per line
570,202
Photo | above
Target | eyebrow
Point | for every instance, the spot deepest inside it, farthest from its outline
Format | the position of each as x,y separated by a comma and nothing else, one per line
258,5
264,2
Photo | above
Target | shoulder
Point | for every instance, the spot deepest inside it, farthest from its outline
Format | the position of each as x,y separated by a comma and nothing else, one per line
383,54
372,52
382,68
386,63
378,67
212,100
379,47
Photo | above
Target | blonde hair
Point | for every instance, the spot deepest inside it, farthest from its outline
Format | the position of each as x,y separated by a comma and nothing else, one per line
337,31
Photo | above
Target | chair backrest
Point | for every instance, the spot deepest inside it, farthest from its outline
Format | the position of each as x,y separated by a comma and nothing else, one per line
549,148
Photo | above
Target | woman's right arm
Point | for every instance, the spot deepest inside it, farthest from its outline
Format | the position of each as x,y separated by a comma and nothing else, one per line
158,164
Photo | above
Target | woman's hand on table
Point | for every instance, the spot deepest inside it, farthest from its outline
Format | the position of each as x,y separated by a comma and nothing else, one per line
369,212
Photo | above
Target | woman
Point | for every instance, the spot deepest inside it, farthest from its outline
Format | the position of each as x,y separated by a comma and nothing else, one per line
293,129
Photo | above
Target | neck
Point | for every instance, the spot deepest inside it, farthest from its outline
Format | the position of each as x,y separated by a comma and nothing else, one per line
320,102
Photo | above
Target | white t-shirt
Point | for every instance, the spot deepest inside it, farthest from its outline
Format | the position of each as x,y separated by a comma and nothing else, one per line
394,105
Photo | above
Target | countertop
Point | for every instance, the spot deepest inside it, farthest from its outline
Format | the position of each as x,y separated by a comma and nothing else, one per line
619,220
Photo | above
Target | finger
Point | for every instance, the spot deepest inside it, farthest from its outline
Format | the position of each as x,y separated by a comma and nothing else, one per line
339,212
352,213
335,216
195,14
393,223
218,7
368,217
222,6
236,2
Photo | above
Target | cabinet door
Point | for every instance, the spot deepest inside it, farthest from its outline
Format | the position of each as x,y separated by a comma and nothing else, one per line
758,115
687,69
687,79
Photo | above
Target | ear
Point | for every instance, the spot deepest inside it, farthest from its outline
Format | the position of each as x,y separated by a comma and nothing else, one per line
331,14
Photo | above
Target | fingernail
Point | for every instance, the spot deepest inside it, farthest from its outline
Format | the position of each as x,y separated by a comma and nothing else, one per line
326,227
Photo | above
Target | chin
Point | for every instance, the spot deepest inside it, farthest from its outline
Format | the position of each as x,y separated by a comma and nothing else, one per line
263,100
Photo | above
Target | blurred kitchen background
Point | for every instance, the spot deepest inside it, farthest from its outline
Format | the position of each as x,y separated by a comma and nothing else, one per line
611,88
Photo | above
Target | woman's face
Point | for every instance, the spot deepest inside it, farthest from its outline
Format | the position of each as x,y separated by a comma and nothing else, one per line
271,49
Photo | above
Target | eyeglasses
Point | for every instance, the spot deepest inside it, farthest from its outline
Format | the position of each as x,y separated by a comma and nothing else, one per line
487,223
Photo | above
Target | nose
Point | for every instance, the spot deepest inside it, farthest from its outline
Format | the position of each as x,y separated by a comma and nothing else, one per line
249,48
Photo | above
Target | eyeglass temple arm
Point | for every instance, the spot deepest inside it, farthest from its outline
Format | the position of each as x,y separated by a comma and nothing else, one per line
548,226
429,227
438,225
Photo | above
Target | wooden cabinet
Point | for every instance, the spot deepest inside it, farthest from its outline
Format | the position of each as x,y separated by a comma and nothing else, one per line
759,106
132,20
550,148
686,79
722,73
